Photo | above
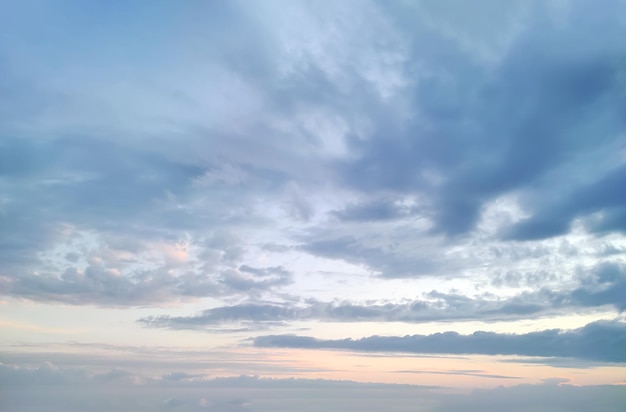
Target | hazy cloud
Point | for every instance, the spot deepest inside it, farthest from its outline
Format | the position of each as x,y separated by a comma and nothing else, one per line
141,392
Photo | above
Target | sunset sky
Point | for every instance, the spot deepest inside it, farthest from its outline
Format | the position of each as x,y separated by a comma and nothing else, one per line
262,205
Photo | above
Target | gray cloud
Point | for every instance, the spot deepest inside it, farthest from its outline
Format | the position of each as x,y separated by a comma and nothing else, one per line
375,210
436,307
518,128
603,285
59,388
472,372
549,397
146,153
604,195
440,307
598,341
105,286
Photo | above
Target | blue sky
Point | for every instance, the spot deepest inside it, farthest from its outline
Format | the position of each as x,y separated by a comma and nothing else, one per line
425,193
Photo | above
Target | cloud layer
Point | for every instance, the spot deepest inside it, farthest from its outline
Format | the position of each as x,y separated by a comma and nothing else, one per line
601,341
602,286
77,389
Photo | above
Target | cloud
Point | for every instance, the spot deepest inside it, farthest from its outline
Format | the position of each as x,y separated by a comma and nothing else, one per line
135,153
537,397
121,363
106,286
252,393
598,341
489,131
227,314
603,196
375,210
276,163
78,388
407,140
472,372
602,285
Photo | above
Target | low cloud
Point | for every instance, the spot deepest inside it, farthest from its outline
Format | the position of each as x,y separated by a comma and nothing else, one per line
598,341
48,387
472,372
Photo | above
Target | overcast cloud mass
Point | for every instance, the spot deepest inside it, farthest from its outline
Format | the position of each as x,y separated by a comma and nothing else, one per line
386,179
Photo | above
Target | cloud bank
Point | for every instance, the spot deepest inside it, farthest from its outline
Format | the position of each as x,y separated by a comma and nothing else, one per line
598,341
77,389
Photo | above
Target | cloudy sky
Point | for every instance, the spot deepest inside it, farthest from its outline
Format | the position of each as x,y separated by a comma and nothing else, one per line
314,205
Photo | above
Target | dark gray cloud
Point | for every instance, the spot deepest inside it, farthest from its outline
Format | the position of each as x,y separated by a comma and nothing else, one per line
598,341
519,127
604,195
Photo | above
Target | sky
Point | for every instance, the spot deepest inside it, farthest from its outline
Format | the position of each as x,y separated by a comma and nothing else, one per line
282,205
